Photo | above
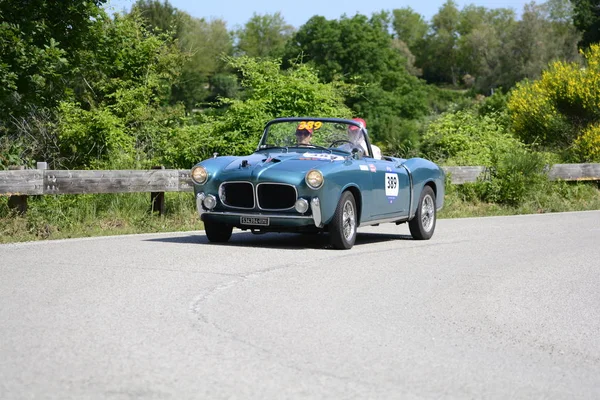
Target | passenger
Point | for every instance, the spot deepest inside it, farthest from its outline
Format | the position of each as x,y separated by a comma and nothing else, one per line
356,136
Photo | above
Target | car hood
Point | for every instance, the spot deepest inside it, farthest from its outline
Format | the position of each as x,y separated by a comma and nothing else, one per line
273,164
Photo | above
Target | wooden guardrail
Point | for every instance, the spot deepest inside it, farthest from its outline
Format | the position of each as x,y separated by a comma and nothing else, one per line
21,183
48,181
18,184
566,172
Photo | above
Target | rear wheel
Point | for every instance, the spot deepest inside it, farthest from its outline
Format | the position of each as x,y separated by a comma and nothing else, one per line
343,225
423,224
217,232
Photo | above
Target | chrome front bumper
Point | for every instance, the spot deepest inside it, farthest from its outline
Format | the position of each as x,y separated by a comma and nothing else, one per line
315,206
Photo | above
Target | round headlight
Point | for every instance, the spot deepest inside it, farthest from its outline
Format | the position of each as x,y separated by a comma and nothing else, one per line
199,174
301,206
314,179
210,202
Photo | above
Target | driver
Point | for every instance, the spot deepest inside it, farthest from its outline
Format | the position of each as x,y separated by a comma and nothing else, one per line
356,136
303,135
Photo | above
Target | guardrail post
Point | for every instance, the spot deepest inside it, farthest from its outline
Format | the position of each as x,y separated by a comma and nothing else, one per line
157,199
18,202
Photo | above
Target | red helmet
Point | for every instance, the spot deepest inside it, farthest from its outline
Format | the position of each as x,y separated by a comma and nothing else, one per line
361,121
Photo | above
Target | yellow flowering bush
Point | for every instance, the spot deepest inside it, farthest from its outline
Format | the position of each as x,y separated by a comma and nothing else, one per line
557,109
587,145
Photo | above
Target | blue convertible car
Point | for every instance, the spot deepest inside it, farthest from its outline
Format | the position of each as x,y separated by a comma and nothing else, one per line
316,175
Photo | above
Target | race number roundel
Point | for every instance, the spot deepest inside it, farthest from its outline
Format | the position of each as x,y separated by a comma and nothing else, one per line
391,185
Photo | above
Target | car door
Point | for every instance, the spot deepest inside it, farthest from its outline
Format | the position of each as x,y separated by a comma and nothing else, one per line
390,193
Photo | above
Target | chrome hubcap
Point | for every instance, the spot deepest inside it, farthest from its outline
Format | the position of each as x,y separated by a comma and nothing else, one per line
349,221
427,213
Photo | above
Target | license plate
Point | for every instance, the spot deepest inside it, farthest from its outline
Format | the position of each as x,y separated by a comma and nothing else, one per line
264,221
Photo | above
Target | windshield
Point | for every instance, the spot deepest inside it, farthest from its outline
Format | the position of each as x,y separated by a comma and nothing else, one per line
314,133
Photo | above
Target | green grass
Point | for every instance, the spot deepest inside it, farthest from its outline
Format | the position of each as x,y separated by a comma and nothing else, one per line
550,197
71,216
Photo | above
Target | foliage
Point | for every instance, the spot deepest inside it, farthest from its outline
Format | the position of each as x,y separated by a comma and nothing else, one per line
160,16
586,17
489,48
39,44
551,196
68,216
410,27
480,136
467,138
264,36
359,50
270,93
439,60
401,138
11,153
203,42
441,100
116,118
348,48
561,107
514,177
494,104
587,145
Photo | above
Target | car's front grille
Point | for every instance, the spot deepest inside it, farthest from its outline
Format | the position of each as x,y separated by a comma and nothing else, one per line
276,196
237,194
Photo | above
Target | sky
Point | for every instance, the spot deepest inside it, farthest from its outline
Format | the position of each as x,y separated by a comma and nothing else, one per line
237,13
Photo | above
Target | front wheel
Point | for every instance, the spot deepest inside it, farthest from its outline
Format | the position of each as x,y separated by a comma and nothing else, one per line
217,232
423,224
343,224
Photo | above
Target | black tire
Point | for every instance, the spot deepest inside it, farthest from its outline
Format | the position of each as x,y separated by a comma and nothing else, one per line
344,223
216,232
422,225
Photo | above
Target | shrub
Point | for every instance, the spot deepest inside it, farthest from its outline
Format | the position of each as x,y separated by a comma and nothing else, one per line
587,145
466,138
561,109
397,136
269,93
513,177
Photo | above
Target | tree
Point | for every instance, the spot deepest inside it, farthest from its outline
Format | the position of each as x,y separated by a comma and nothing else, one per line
160,15
206,43
360,50
122,112
264,36
537,41
491,48
269,92
410,27
40,42
439,56
586,17
482,46
355,49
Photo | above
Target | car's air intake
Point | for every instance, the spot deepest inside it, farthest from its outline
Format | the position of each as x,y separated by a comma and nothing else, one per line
276,196
237,194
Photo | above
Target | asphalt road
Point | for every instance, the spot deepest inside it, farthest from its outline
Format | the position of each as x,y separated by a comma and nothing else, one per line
495,308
